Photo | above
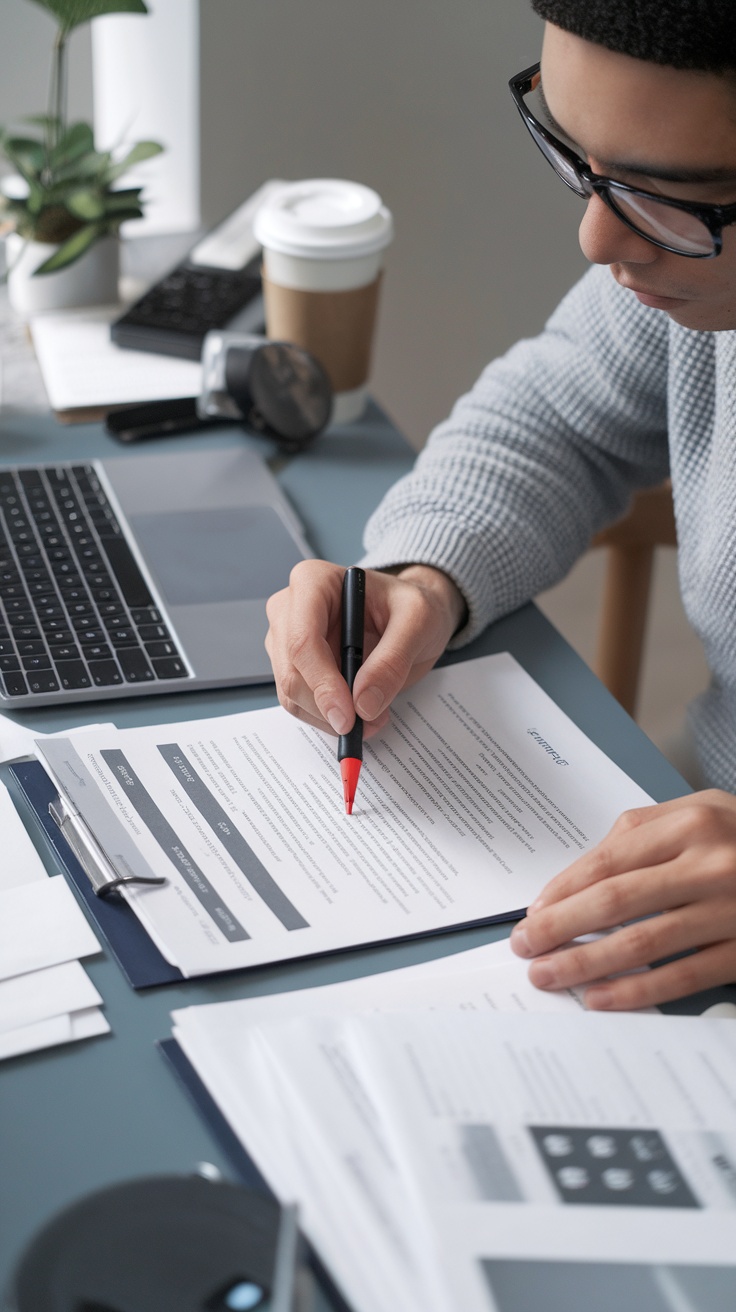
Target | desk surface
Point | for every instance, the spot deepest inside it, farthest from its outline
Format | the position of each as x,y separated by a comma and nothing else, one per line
75,1118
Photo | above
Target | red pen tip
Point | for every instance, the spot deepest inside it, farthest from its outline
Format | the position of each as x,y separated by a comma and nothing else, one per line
350,770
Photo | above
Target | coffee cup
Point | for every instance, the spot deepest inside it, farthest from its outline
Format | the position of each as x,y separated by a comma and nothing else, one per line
324,242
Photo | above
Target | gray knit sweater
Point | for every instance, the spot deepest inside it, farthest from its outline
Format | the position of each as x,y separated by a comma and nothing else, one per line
548,447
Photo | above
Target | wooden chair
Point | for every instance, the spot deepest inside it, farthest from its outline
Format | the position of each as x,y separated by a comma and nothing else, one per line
630,543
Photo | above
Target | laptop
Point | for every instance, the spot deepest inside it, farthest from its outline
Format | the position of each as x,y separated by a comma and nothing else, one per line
136,575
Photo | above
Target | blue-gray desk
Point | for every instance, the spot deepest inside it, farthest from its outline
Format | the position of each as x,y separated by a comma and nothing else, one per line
77,1118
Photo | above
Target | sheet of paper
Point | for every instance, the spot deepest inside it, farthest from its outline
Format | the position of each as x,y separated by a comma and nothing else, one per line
82,368
48,1033
221,1041
609,1138
478,792
41,925
17,741
41,994
20,862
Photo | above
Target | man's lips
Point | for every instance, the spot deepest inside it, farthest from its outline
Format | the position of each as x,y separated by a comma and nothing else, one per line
653,299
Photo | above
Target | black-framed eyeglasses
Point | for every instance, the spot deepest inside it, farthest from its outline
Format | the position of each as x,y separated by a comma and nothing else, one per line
681,226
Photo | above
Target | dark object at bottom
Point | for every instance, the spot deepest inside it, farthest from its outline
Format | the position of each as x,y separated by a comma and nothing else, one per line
162,1244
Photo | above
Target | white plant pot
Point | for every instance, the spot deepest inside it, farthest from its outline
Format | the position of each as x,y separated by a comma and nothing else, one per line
91,280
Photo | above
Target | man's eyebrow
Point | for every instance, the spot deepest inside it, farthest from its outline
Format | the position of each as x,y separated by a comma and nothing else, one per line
667,174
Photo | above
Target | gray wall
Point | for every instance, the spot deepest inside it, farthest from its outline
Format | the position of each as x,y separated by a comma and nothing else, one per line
26,37
409,96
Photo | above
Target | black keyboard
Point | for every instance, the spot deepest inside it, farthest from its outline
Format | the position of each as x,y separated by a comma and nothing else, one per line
174,315
75,609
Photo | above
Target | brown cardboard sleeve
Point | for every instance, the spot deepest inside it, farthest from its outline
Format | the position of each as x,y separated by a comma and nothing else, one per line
337,327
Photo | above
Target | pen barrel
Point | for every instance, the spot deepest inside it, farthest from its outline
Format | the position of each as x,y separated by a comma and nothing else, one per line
353,608
351,744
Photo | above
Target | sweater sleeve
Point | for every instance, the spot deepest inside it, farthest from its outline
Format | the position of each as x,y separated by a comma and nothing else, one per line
545,449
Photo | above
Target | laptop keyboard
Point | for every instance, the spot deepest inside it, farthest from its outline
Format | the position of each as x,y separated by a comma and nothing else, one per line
75,609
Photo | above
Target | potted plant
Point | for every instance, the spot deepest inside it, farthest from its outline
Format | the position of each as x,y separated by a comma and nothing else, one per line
63,204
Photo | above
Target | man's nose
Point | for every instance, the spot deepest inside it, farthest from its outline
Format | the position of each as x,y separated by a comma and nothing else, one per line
605,238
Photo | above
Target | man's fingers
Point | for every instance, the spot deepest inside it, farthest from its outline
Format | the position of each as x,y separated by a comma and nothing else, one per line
302,644
709,968
634,946
415,635
642,838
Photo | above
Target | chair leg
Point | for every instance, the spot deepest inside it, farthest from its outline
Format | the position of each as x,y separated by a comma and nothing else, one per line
623,621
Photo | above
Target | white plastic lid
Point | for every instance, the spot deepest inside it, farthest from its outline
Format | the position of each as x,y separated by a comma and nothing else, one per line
324,219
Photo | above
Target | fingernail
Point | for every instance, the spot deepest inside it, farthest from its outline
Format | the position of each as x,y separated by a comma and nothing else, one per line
370,704
520,941
543,974
535,905
337,720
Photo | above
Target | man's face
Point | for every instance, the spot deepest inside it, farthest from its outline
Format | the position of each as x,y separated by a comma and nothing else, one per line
654,127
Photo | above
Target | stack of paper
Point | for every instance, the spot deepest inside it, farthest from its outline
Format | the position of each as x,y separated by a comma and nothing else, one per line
85,374
46,996
482,1160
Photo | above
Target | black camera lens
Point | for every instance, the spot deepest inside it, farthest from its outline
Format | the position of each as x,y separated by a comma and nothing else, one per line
281,390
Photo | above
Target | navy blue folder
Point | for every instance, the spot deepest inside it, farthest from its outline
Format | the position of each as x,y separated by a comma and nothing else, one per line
133,949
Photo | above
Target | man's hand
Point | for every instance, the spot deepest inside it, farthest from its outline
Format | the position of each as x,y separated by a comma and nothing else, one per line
677,859
409,620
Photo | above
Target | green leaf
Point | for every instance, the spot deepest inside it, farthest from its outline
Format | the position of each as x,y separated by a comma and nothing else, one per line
71,250
86,204
94,165
40,120
121,200
142,150
27,155
70,13
77,140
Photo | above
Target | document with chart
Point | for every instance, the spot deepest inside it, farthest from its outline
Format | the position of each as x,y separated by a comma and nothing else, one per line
477,793
499,1163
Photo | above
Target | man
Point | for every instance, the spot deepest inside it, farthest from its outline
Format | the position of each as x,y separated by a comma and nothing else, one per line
633,378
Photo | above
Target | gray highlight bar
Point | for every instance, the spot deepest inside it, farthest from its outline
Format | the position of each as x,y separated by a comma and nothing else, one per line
231,838
174,849
484,1155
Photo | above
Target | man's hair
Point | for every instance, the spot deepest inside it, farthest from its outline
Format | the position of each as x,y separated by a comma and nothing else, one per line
698,34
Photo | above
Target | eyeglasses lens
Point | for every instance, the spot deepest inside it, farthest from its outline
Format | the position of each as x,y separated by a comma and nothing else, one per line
676,228
562,166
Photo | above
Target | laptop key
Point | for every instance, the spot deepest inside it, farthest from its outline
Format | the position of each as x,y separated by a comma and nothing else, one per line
68,652
134,665
7,647
97,652
124,638
9,663
105,673
170,668
161,649
73,674
44,681
145,615
14,684
36,663
31,647
88,637
152,632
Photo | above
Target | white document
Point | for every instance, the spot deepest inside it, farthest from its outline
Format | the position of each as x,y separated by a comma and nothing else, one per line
373,1261
501,1146
19,862
17,741
41,994
82,368
478,792
48,1033
41,925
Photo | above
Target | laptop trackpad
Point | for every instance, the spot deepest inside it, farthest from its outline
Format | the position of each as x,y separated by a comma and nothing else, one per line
232,554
